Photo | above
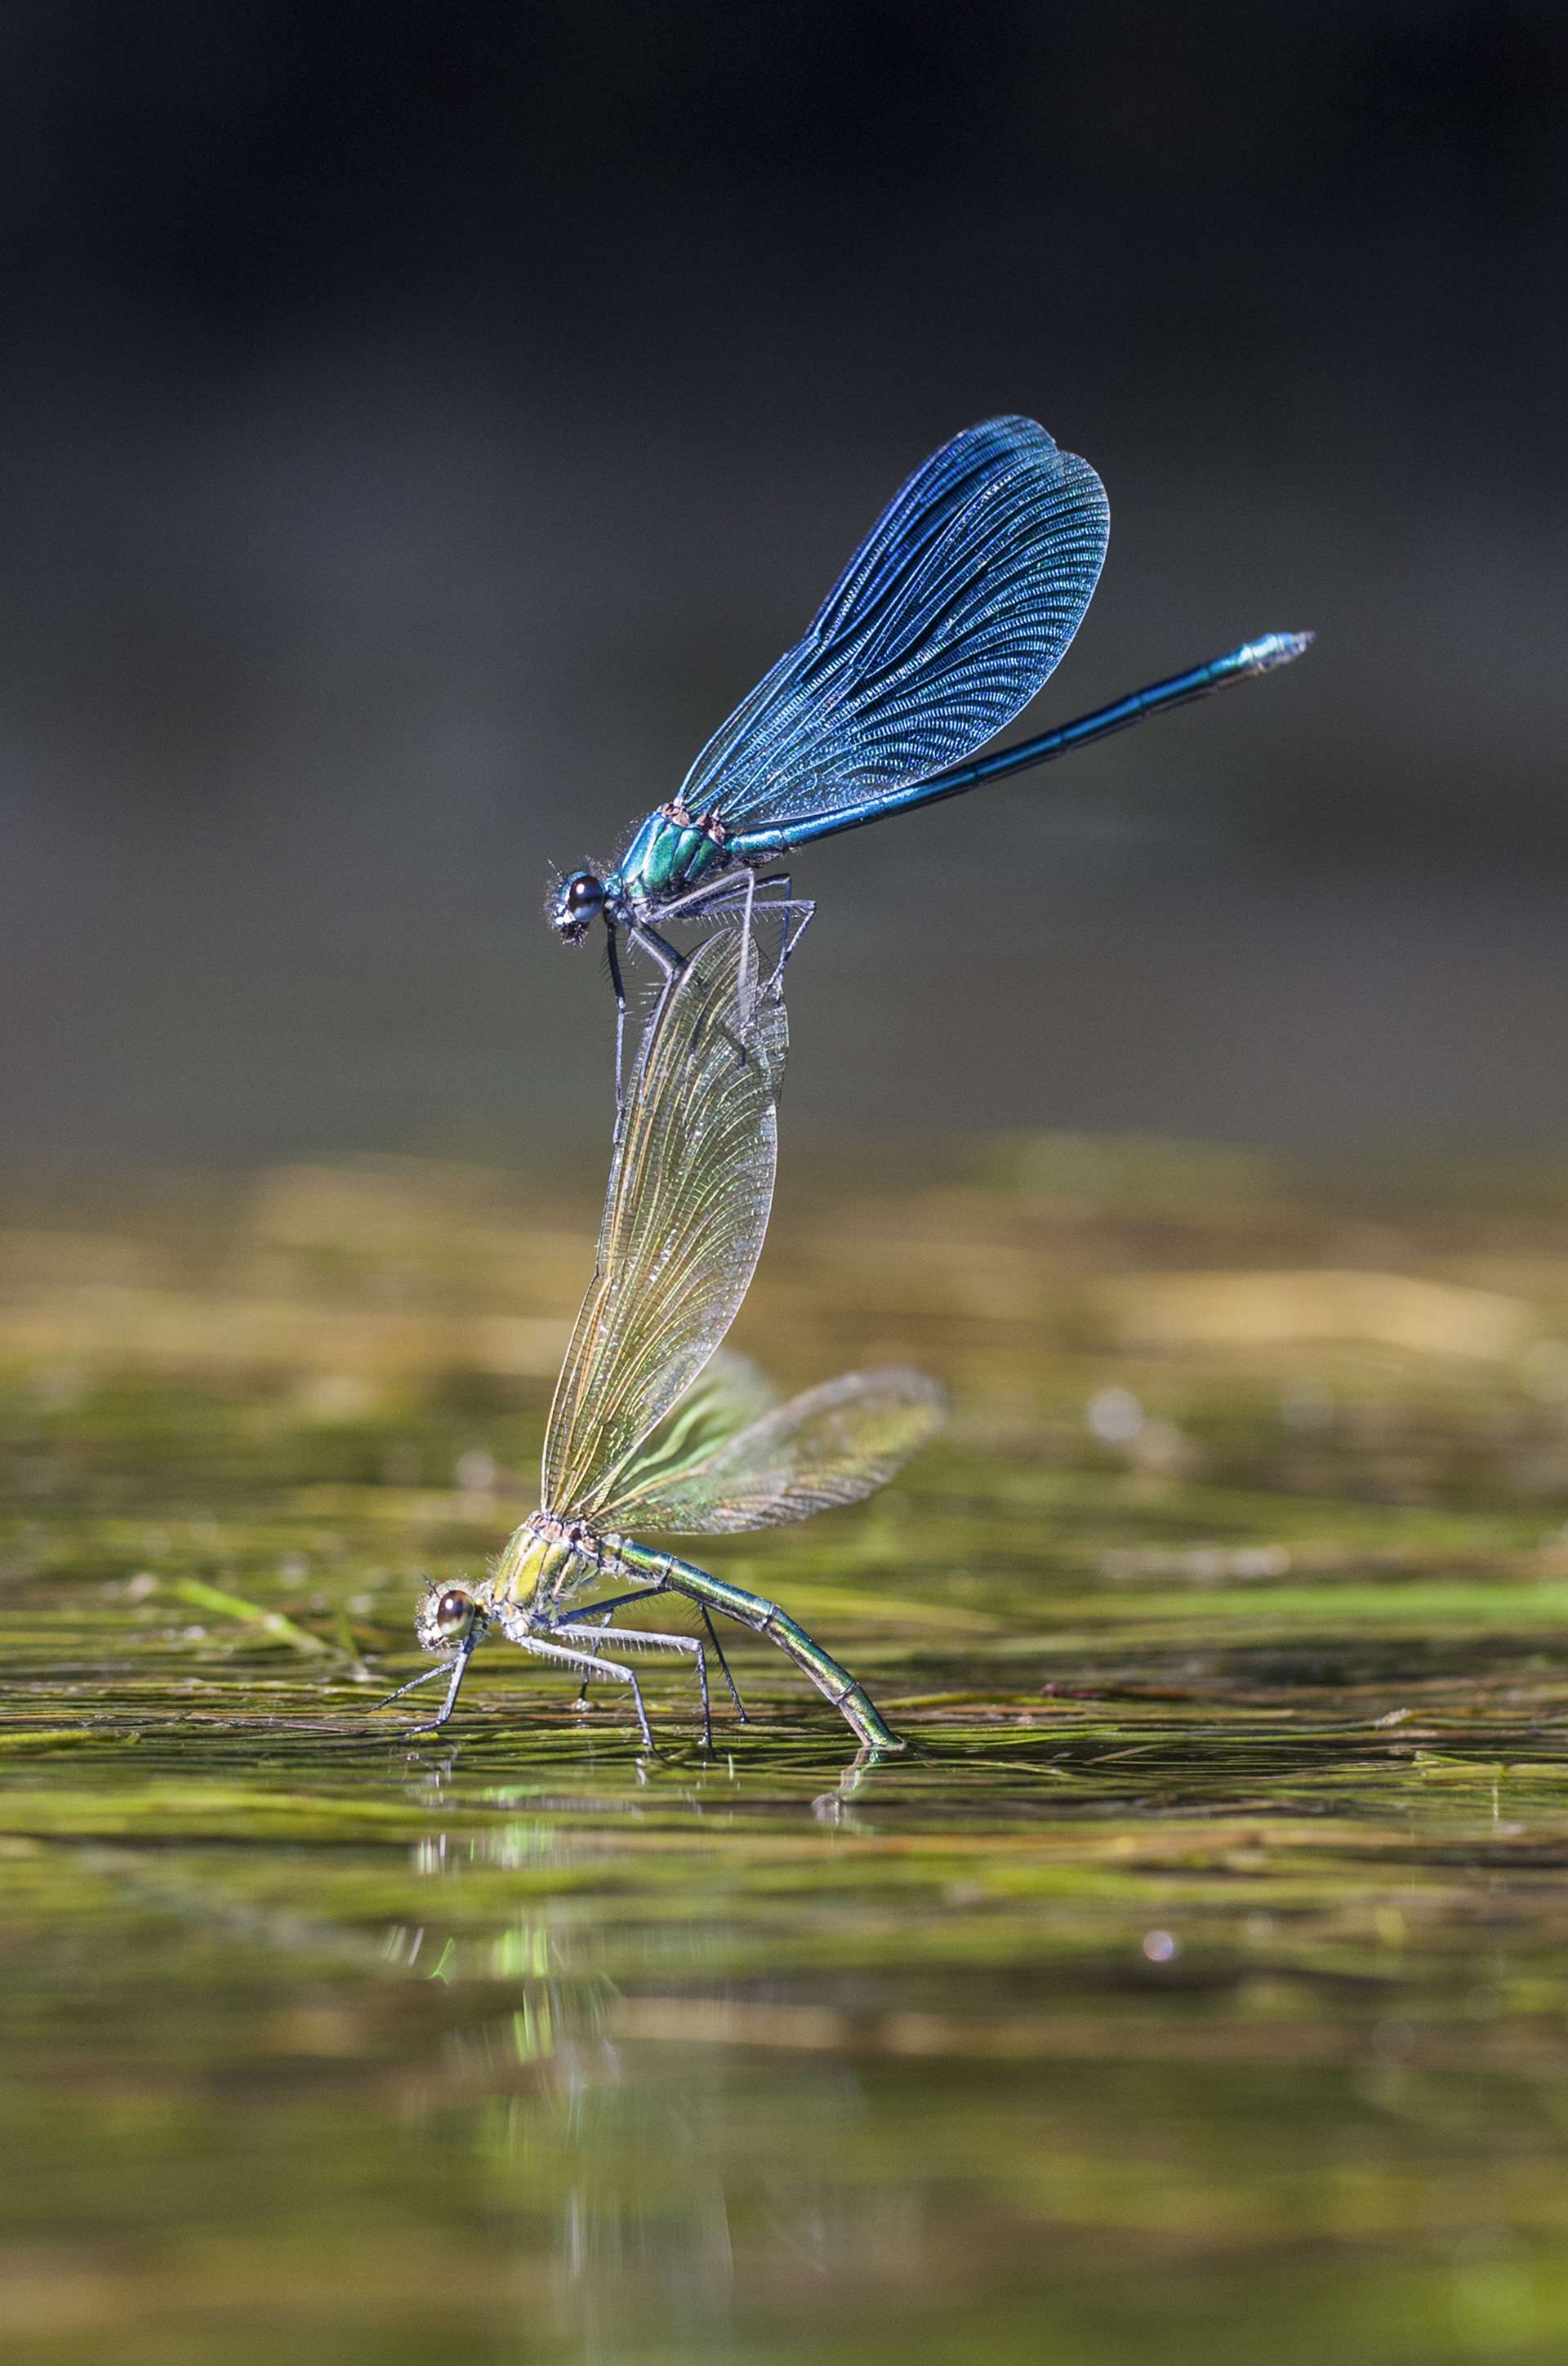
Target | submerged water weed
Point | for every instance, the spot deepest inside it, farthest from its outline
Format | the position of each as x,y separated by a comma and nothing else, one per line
1200,1968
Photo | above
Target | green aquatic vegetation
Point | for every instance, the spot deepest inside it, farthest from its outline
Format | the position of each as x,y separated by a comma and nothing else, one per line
1199,1969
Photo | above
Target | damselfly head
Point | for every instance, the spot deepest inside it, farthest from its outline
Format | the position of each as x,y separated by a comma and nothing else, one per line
446,1616
576,904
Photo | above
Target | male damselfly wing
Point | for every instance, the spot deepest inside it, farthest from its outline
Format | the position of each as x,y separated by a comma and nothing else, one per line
952,616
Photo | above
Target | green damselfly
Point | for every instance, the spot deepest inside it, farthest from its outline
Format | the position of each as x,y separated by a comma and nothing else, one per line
650,1428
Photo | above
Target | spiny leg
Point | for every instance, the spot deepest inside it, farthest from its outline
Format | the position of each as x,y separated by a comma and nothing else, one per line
715,895
425,1676
669,960
672,963
848,1696
596,1666
794,918
412,1685
795,915
720,895
613,955
788,910
723,1662
643,1639
450,1703
598,1619
599,1616
581,1700
714,898
743,1015
618,1602
459,1669
803,913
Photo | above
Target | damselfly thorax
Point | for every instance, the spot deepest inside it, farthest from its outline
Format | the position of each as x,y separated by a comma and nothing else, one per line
674,852
545,1563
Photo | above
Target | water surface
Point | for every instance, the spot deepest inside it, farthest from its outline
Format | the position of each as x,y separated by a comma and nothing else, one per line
1194,1988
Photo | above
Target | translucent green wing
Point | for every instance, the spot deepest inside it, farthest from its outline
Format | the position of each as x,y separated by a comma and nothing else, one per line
834,1445
727,1395
690,1185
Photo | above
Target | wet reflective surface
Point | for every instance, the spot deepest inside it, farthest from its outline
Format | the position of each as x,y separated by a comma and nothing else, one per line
1194,1987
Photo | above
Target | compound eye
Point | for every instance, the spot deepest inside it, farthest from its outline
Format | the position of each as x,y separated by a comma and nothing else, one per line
454,1614
583,896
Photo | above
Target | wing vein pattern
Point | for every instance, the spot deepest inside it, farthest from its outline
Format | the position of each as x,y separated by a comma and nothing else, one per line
950,616
833,1445
691,1187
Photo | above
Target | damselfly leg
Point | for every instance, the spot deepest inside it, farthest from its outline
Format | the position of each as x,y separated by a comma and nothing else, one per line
670,961
717,1649
594,1664
600,1625
613,961
459,1669
642,1638
735,892
848,1696
738,890
593,1623
795,917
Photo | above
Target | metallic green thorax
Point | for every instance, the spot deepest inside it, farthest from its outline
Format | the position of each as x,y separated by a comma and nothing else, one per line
666,857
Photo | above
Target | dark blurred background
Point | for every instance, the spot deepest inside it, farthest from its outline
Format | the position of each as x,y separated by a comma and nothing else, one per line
422,423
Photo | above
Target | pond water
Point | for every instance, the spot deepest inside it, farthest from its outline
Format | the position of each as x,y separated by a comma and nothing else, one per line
1193,1988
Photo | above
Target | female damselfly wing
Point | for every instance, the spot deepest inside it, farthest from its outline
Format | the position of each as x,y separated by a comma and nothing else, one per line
832,1445
639,1432
952,613
691,1187
651,1422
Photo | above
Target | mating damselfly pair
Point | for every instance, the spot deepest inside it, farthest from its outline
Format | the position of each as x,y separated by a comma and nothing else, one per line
950,618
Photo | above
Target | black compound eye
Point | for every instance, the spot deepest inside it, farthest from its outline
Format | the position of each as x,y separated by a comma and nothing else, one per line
583,896
453,1613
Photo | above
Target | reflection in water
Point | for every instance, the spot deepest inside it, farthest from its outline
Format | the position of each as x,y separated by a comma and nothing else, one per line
1199,1968
682,2070
669,2146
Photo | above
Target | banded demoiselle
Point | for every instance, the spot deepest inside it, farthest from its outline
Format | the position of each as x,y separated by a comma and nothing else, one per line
952,613
649,1429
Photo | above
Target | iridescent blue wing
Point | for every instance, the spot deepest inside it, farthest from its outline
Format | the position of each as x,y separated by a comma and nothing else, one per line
833,1445
949,618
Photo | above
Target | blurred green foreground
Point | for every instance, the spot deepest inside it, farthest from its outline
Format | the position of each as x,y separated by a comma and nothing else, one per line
1197,1989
